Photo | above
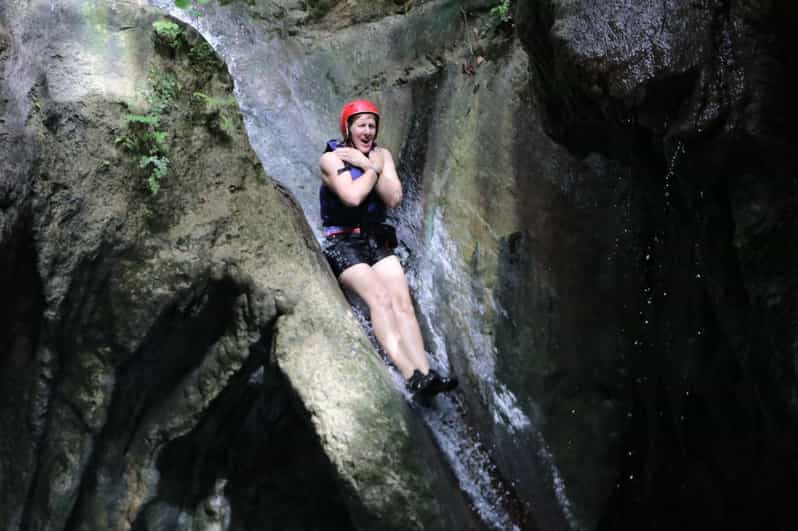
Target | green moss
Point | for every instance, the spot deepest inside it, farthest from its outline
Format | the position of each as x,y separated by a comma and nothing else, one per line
203,57
163,89
185,4
158,167
220,114
143,138
167,33
149,145
184,62
150,119
502,13
319,8
215,103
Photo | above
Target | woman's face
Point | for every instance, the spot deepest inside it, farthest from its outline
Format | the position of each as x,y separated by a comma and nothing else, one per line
363,130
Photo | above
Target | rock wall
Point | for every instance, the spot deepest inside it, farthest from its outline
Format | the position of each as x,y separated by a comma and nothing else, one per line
459,113
598,215
686,104
602,197
515,240
175,354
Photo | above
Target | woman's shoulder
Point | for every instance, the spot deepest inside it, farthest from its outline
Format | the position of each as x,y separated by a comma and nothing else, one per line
329,155
383,151
329,162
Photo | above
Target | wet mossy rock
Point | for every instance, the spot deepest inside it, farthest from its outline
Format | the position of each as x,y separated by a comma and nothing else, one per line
593,283
178,358
635,343
684,103
495,190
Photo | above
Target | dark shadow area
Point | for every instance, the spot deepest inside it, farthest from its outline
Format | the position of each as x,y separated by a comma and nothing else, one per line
253,462
176,344
708,386
21,307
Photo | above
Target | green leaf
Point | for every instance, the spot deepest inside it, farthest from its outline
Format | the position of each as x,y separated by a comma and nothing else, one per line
142,118
182,4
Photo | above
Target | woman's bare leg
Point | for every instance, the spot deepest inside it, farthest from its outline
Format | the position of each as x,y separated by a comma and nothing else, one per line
392,276
364,281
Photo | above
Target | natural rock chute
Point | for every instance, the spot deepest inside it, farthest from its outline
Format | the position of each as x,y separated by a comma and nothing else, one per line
159,360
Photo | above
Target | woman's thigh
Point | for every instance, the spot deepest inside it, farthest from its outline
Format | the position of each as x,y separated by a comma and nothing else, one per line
392,277
365,282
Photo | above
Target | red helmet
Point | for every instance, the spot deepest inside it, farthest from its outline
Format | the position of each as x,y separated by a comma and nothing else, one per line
357,107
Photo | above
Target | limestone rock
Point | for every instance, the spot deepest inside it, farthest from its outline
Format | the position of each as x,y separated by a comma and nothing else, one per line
168,321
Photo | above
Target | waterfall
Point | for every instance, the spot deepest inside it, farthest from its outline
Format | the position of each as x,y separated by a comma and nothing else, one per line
280,114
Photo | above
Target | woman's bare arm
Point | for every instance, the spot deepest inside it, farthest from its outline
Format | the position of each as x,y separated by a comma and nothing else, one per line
389,187
352,192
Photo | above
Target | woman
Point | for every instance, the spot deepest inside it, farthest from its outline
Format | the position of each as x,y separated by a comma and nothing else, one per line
359,182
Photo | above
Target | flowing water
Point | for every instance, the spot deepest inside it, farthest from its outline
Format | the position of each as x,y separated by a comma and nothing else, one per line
282,117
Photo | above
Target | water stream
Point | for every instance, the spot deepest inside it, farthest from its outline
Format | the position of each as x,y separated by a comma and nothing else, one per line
283,120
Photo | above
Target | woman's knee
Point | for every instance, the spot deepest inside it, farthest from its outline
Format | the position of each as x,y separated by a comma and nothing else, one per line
403,305
380,299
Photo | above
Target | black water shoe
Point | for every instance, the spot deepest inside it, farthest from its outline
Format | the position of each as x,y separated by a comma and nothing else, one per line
439,384
430,384
417,382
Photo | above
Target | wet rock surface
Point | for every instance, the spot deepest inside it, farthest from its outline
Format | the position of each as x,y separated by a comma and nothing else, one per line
569,172
691,101
601,200
175,353
457,110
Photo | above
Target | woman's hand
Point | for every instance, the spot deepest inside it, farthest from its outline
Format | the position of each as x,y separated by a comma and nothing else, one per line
354,157
377,160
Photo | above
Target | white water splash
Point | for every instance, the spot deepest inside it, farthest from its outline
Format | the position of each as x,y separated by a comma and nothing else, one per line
441,262
558,482
469,459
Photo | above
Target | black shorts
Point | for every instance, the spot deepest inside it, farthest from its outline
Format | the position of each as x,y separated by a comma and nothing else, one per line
345,250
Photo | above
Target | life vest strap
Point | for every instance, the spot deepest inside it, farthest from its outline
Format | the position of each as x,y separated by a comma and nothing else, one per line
333,231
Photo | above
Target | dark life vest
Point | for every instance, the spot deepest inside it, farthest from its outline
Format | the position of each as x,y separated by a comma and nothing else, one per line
334,212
